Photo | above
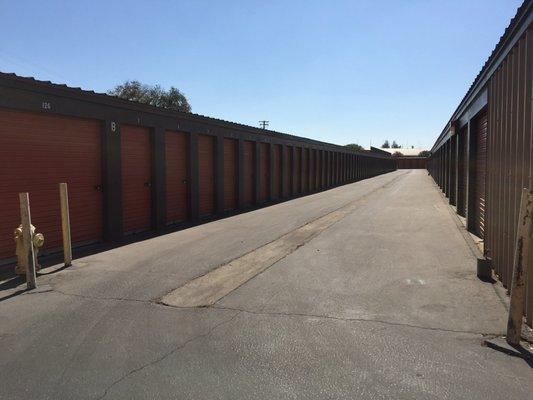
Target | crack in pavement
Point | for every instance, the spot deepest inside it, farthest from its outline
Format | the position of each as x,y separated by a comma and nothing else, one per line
83,296
286,314
329,317
166,355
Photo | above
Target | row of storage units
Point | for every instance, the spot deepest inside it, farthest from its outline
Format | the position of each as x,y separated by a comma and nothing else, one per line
484,157
132,168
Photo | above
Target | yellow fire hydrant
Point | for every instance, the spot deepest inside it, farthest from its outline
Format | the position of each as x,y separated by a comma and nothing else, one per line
37,241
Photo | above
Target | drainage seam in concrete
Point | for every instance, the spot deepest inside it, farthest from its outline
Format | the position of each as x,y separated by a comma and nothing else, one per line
208,289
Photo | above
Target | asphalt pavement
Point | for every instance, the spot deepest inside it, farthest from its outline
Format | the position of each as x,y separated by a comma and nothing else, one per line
364,291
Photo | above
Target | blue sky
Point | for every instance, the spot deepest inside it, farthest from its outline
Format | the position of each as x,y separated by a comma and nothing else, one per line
338,71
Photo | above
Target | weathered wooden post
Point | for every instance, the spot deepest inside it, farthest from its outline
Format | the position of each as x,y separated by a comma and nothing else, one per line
523,257
25,217
65,224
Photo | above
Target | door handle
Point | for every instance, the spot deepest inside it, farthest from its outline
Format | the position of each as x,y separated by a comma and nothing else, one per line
148,184
98,188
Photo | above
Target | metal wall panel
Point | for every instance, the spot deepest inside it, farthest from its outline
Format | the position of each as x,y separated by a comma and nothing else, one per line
136,178
305,170
176,176
230,174
249,173
509,157
297,176
499,145
277,177
206,173
287,170
264,156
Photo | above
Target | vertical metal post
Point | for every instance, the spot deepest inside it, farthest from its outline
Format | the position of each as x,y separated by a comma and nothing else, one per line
111,188
522,258
65,224
456,171
25,218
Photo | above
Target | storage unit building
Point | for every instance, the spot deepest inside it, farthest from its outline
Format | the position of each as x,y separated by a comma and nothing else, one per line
134,168
484,155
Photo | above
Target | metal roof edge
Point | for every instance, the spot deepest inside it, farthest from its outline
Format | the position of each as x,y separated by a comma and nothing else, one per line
113,101
517,26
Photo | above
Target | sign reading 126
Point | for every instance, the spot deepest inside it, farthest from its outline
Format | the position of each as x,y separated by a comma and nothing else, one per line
46,105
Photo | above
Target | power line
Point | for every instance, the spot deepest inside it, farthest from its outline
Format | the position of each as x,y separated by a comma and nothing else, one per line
264,124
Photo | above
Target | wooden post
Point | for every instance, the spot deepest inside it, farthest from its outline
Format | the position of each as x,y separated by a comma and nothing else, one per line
25,218
65,224
523,257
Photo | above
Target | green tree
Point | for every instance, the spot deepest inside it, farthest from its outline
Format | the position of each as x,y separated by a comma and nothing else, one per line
154,95
385,145
395,145
397,154
355,147
424,153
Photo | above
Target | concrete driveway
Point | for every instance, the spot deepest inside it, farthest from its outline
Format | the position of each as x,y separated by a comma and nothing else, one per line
364,291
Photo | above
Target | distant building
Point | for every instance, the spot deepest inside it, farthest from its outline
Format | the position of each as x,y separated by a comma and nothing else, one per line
409,159
406,152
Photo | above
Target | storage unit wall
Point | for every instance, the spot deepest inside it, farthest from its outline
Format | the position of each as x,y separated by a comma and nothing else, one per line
484,156
134,168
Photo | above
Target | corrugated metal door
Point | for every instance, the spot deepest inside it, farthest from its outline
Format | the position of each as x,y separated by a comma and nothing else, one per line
176,176
276,161
57,149
481,171
136,178
248,173
305,170
230,174
206,175
264,159
298,171
287,172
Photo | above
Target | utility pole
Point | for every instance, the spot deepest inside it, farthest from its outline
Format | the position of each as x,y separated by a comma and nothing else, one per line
263,124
